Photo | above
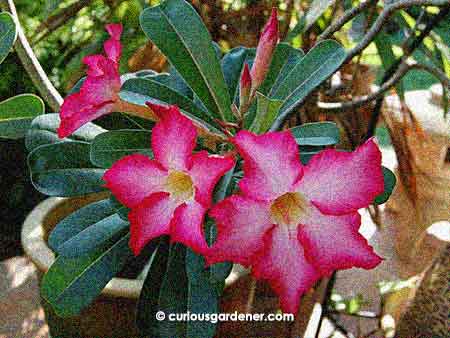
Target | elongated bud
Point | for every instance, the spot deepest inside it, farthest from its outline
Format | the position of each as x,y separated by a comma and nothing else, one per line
245,87
264,51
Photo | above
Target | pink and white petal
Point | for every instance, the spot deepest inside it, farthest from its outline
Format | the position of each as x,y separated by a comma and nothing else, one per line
206,171
271,163
173,138
104,88
340,183
114,30
133,178
150,219
187,226
284,266
113,47
241,225
334,243
76,112
93,63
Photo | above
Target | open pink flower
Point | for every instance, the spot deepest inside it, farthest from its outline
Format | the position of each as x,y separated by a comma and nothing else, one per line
100,91
294,224
170,194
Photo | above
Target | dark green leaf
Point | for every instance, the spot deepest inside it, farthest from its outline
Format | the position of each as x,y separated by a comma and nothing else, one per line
314,68
174,293
8,34
148,303
202,296
72,283
389,184
316,134
78,221
17,113
94,236
177,30
111,146
266,112
64,169
43,131
232,65
139,91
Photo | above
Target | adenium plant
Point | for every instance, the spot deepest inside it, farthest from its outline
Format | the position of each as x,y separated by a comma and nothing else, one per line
213,174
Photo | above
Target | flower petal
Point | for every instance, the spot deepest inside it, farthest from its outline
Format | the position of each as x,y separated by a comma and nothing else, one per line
340,183
75,112
150,219
187,226
113,47
271,163
173,138
333,242
206,172
135,177
285,267
241,224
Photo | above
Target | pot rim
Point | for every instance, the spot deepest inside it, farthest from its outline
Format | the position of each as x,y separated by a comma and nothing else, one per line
36,248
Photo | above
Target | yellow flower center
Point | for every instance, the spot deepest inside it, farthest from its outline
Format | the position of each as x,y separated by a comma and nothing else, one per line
180,186
289,209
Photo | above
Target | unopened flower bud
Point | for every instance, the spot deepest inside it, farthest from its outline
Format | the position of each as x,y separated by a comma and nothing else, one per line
264,51
245,86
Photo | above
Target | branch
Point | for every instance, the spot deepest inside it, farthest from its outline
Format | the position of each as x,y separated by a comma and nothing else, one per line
31,63
384,16
347,16
401,71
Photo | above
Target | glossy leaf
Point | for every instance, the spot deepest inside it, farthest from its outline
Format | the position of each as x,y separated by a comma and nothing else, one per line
266,112
148,304
174,293
314,68
94,236
42,131
16,114
111,146
139,91
8,34
64,169
389,184
68,285
78,221
202,296
177,30
316,134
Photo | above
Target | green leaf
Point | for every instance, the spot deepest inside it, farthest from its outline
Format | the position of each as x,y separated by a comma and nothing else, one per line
285,57
177,30
16,114
139,91
72,283
148,304
314,68
174,293
64,169
94,236
78,221
232,65
386,52
202,296
266,112
8,34
389,184
316,134
43,131
111,146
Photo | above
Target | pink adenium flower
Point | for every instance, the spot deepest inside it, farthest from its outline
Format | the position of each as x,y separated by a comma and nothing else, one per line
170,194
294,224
245,85
264,52
99,94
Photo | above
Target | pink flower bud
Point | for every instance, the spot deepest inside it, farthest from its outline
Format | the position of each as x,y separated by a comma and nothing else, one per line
264,51
245,86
